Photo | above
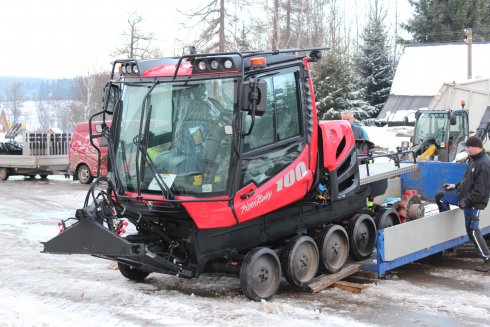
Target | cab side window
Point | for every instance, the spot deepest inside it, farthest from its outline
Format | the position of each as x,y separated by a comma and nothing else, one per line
275,139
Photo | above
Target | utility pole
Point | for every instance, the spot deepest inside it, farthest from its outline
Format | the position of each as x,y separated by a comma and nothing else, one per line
468,38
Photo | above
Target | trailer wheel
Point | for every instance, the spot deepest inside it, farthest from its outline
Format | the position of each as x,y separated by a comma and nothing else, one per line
386,217
362,236
4,174
43,176
131,272
300,261
333,244
260,274
84,175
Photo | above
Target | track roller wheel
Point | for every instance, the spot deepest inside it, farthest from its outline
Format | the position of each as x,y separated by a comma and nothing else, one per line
362,236
333,244
131,272
300,260
260,274
386,217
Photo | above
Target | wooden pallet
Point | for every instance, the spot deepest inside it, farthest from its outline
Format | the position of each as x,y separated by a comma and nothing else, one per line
323,281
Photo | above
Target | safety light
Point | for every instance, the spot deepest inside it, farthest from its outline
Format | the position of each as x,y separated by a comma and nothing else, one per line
128,69
214,64
123,69
257,62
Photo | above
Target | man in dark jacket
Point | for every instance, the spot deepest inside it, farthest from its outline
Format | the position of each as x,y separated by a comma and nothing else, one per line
471,194
359,132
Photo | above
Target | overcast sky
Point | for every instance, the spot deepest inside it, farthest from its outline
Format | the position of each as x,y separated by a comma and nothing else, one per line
65,38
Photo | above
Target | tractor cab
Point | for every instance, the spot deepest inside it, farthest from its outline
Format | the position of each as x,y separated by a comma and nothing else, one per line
440,134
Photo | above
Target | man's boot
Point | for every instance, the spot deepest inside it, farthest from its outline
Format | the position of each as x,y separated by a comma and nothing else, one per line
485,267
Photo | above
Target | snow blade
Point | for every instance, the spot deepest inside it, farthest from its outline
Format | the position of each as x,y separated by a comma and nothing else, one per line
90,237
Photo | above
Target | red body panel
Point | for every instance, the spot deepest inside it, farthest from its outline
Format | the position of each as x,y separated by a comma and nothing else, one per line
333,133
168,70
82,151
288,186
209,214
185,69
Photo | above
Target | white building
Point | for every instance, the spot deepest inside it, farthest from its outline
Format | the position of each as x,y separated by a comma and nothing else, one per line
422,70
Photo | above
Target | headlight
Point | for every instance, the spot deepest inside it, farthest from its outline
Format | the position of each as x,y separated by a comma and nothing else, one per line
214,64
228,64
135,69
201,65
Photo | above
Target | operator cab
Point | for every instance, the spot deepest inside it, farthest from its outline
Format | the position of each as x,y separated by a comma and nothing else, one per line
445,129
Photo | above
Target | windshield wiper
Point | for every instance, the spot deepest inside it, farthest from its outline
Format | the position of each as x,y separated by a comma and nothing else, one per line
139,138
166,192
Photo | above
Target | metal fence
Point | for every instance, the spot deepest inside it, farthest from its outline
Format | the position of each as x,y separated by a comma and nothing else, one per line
42,144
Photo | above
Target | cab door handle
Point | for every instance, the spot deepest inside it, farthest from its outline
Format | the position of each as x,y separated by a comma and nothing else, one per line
247,195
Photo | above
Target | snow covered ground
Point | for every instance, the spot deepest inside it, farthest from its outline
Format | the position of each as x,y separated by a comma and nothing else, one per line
56,290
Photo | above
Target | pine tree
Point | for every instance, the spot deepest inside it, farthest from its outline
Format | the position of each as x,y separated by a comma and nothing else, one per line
445,20
334,90
373,65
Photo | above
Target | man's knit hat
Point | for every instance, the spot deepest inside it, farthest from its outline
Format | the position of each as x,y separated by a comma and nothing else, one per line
474,142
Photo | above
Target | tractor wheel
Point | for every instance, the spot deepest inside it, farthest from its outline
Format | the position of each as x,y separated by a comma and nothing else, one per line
260,274
300,261
84,175
333,245
362,236
132,273
4,174
386,217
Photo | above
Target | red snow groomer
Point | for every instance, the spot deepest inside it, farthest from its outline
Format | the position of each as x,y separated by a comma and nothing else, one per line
219,163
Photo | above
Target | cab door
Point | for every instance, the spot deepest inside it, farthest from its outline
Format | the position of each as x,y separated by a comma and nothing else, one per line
274,163
458,133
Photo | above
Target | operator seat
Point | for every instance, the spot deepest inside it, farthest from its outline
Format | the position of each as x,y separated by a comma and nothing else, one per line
193,125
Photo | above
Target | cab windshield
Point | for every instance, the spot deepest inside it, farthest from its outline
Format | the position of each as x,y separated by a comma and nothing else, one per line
431,125
183,130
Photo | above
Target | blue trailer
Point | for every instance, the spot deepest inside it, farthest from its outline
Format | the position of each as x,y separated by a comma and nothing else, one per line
405,243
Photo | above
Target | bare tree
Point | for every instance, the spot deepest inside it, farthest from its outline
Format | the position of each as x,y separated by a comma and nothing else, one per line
221,28
88,90
297,23
15,96
138,44
211,20
44,115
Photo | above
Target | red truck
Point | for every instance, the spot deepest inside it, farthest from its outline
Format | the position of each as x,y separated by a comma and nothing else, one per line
83,157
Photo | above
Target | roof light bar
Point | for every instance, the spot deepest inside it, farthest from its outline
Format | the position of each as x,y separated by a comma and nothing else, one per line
213,65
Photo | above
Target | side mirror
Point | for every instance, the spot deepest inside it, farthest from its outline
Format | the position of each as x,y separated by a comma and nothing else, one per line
452,119
253,95
112,97
405,120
